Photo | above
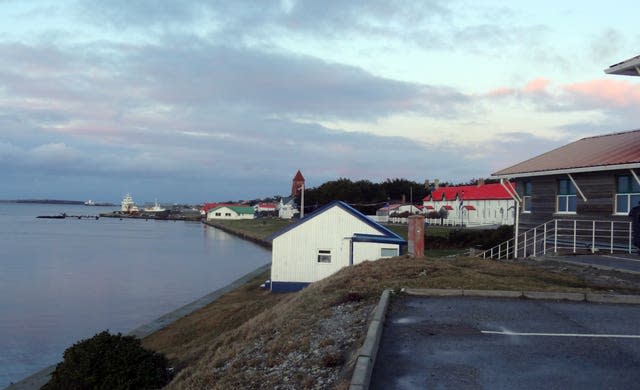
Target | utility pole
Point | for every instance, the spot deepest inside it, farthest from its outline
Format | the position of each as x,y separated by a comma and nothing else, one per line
302,202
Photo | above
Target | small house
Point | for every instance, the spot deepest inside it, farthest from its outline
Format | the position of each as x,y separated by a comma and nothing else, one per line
230,212
334,236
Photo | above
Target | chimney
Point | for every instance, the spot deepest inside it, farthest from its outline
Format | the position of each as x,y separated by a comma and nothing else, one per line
416,236
436,184
426,184
480,182
403,199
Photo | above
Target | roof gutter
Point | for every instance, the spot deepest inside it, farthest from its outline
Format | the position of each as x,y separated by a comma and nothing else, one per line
569,170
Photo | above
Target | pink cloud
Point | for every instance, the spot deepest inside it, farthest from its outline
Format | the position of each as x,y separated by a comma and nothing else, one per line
538,85
619,93
501,92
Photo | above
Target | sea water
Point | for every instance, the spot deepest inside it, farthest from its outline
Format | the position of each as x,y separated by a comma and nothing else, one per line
63,280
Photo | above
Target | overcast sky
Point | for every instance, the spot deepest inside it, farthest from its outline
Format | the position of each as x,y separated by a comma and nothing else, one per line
193,101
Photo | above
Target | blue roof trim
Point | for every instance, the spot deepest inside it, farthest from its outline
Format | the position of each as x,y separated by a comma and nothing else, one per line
383,230
379,239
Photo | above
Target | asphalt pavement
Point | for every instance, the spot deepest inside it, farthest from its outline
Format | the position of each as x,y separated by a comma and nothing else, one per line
498,343
618,262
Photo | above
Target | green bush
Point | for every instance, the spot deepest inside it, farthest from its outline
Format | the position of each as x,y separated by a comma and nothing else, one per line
107,361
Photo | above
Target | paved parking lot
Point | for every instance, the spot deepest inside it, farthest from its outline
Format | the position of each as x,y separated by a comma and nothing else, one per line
619,262
490,343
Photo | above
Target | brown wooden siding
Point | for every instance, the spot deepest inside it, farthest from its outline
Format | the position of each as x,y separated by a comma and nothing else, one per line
598,187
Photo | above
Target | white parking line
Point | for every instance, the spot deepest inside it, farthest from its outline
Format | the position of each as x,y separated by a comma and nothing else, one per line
620,258
619,336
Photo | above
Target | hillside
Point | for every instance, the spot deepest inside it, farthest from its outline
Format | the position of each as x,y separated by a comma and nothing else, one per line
251,338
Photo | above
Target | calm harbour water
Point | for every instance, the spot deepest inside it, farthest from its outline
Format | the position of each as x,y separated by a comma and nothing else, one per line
65,280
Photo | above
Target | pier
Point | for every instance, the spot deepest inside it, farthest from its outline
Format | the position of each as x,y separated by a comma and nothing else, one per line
65,215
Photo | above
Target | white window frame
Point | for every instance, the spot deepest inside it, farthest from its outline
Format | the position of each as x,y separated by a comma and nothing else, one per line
395,251
626,195
323,256
526,197
566,198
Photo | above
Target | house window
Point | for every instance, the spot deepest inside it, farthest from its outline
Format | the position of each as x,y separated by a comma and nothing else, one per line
566,198
526,197
218,214
388,252
227,214
627,194
324,256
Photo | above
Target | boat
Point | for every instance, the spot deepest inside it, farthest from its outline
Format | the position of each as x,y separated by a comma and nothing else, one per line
156,208
128,206
89,203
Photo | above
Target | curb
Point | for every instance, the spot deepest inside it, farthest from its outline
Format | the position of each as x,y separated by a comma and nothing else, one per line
367,354
575,297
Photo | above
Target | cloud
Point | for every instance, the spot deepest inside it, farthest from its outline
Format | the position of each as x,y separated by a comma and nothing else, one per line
611,94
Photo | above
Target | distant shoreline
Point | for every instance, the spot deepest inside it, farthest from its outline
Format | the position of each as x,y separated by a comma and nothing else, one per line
54,201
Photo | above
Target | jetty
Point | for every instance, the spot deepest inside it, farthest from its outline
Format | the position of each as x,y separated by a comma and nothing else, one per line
65,215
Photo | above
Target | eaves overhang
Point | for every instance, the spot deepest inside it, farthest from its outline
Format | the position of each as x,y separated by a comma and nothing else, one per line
630,67
599,168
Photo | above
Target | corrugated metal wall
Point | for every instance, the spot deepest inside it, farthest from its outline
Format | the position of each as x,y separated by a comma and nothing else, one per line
295,253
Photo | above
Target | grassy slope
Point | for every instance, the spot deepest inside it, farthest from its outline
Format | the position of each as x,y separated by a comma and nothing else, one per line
215,347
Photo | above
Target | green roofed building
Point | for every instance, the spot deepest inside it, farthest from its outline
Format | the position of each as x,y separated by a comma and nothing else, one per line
230,212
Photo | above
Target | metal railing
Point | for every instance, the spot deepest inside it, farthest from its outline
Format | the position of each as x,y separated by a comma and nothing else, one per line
567,236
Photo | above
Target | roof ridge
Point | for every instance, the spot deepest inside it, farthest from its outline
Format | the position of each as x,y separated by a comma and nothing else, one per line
610,134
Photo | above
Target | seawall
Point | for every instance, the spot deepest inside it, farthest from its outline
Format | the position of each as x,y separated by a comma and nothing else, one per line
243,235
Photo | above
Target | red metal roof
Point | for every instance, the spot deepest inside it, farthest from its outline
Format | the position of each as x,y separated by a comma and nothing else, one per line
604,150
493,191
448,207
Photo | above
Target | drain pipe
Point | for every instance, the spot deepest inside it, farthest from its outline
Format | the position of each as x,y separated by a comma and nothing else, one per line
511,191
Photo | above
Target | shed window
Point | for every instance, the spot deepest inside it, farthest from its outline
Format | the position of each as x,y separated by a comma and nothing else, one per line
324,256
627,194
526,197
388,252
566,198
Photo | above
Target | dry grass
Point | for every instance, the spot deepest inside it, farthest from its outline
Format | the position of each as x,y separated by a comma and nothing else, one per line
244,339
257,228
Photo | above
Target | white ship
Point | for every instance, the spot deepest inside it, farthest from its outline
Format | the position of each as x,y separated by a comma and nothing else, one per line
156,208
127,205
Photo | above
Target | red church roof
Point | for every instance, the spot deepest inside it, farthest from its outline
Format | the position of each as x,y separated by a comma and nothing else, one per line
493,191
298,176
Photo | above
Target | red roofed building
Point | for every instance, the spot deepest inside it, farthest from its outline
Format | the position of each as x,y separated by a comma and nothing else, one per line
482,204
297,184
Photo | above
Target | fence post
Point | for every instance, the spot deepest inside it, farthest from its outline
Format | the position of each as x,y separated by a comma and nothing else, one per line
524,245
535,240
544,240
499,251
555,236
507,250
611,237
630,234
593,237
491,255
574,236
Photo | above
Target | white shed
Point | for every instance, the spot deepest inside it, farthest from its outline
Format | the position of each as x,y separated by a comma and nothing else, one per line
335,236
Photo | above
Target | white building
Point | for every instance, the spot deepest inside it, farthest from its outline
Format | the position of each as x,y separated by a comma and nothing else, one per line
286,208
230,212
482,204
319,245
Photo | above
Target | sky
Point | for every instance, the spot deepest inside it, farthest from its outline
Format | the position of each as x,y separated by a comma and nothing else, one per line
196,101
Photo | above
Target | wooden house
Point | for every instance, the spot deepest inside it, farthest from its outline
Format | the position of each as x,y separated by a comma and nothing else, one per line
594,178
334,236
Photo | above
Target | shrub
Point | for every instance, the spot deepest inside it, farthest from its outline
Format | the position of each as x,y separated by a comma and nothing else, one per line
107,361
